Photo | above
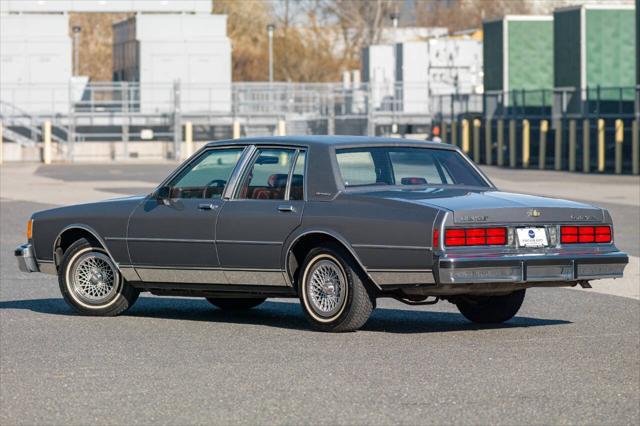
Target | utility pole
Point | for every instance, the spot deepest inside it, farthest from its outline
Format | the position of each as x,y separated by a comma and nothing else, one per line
76,49
270,29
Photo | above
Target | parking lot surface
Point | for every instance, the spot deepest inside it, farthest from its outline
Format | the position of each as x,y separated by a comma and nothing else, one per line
570,356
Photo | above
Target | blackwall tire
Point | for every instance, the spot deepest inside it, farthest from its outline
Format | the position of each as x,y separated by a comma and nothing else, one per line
91,283
332,293
230,304
491,309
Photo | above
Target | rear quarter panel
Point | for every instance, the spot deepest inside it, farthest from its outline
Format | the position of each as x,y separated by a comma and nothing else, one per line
383,233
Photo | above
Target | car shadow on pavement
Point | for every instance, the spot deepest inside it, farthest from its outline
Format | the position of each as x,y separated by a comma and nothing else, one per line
285,315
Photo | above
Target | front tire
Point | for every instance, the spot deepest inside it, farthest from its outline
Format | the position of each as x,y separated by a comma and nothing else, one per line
491,309
230,304
333,296
91,283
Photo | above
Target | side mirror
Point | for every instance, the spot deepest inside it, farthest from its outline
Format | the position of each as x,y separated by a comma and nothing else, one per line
163,194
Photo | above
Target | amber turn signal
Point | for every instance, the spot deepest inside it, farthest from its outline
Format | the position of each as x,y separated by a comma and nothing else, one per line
29,229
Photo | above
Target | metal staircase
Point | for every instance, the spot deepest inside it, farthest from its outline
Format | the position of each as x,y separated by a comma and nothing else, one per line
14,118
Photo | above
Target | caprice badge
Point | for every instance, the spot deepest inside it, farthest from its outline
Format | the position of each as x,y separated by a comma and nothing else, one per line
473,219
534,213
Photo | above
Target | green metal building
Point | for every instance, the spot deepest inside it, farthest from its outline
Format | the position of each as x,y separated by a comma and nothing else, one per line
595,46
518,54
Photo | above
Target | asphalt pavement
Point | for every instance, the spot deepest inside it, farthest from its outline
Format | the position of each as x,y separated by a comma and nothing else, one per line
569,357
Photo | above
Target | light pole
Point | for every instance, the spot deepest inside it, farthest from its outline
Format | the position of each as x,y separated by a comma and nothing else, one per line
270,29
76,49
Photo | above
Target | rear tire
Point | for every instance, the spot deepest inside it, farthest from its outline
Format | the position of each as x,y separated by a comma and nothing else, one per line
491,309
228,304
91,283
332,293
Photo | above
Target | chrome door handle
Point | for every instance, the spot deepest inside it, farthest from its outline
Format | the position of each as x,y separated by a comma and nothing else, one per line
286,208
207,206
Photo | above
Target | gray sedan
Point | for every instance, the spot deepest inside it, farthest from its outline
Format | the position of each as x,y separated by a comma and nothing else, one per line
334,221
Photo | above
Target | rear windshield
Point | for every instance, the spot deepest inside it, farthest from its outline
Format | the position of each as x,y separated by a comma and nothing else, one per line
405,166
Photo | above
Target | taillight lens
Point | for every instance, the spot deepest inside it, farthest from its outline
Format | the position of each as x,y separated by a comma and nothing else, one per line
475,237
585,234
436,238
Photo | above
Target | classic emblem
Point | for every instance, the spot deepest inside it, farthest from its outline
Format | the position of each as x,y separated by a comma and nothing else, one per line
534,213
531,233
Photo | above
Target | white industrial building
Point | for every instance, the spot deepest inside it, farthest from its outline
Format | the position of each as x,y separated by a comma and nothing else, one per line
407,75
164,46
190,49
35,62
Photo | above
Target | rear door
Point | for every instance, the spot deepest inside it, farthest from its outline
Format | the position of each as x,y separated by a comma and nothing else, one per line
266,208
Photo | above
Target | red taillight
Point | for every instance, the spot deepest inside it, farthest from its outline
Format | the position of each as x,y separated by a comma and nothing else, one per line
475,237
436,238
585,234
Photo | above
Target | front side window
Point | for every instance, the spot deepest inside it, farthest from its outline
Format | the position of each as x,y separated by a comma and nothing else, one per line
405,166
207,176
268,175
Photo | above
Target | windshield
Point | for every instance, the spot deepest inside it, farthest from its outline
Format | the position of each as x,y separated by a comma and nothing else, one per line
405,166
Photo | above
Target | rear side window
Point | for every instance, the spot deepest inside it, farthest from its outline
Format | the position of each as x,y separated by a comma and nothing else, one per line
405,166
268,175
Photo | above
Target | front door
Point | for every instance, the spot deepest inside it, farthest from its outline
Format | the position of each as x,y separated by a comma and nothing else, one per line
174,240
266,208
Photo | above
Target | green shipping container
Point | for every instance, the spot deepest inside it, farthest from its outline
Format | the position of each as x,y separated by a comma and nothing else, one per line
595,46
518,55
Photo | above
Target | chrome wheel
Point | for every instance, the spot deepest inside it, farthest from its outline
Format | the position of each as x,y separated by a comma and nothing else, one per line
327,288
94,277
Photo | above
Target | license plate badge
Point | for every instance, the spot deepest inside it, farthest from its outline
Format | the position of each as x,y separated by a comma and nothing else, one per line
532,237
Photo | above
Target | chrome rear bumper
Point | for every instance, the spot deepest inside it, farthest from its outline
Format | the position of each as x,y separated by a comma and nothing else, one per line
26,258
530,268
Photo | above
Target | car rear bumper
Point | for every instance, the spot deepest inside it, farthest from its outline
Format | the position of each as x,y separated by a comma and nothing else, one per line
26,258
530,268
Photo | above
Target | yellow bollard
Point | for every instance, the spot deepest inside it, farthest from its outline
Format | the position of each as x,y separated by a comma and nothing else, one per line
586,146
465,136
526,143
572,145
619,142
188,139
542,148
557,156
512,144
601,145
236,129
488,142
454,132
46,136
281,128
476,140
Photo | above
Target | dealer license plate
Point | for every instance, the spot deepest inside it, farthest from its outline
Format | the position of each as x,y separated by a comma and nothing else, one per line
532,237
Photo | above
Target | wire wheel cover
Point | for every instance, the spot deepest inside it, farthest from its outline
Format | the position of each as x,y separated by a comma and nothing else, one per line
326,288
95,279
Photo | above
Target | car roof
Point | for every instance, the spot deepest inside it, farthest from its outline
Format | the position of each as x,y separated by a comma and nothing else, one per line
337,141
